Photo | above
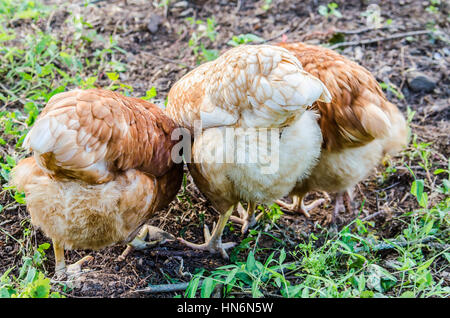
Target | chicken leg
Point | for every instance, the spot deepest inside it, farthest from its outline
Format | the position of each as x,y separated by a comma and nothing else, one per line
343,203
299,206
213,242
60,265
155,236
247,217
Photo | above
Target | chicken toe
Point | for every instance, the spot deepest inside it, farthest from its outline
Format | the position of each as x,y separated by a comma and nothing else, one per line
154,236
246,217
299,206
213,241
61,270
75,268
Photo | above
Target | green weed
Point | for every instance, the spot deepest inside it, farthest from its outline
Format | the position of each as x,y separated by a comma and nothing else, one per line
244,39
196,42
330,9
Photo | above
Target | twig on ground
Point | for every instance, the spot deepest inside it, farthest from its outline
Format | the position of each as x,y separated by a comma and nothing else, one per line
168,253
371,216
379,39
165,288
358,31
238,6
6,222
388,187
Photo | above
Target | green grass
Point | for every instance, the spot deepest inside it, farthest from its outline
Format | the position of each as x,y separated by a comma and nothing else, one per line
198,42
346,264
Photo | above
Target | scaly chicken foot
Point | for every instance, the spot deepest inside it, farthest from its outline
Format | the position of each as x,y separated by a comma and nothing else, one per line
342,204
61,270
213,242
247,217
299,206
156,237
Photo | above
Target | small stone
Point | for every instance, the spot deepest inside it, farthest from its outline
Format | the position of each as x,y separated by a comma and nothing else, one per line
153,24
419,82
181,4
437,56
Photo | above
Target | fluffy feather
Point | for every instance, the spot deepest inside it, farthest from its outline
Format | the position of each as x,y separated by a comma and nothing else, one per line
101,168
359,126
253,88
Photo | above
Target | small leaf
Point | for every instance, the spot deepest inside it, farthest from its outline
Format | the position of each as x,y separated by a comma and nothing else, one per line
438,171
367,294
250,265
425,265
408,294
323,10
112,76
282,255
207,287
150,94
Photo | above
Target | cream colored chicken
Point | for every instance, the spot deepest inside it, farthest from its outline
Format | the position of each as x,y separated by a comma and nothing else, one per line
101,167
256,92
359,127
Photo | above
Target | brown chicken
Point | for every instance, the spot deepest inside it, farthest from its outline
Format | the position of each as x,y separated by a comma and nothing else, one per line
359,127
239,99
101,167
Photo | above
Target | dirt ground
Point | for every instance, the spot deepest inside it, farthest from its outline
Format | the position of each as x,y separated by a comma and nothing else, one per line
162,57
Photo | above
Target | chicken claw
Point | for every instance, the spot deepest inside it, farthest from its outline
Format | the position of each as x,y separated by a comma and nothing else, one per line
247,217
299,206
343,203
155,236
61,270
75,268
213,242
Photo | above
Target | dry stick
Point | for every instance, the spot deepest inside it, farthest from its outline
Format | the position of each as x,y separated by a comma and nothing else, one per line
368,41
371,216
165,288
362,30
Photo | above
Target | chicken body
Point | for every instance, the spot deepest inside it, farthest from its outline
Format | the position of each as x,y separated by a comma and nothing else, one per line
243,94
359,127
101,167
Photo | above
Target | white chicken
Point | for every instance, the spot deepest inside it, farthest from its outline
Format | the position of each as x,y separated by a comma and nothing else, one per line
359,127
256,92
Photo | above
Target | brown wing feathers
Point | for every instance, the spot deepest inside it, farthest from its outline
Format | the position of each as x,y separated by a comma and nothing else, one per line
358,112
93,133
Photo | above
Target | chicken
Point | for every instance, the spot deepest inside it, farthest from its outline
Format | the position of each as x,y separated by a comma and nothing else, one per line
101,167
248,113
359,127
